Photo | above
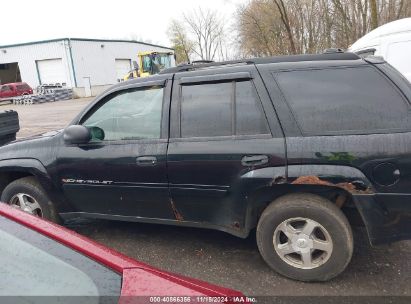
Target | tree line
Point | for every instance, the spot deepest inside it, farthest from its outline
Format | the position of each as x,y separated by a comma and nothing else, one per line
278,27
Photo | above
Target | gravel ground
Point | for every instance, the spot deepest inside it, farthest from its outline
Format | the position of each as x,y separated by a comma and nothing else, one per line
232,262
40,118
221,258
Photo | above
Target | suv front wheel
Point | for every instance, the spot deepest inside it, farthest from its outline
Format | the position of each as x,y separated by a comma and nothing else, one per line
28,195
305,237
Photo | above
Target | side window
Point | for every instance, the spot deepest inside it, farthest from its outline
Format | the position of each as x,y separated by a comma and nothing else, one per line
356,100
146,63
129,115
221,109
206,110
250,116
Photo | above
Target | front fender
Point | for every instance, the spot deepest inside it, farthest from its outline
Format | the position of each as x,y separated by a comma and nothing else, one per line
28,165
34,167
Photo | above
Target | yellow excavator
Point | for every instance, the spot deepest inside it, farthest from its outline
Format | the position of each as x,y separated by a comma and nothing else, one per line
150,63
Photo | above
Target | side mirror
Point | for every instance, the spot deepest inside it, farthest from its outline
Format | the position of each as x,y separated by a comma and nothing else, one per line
76,135
97,133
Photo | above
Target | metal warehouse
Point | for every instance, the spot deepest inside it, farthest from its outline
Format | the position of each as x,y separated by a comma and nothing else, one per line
87,65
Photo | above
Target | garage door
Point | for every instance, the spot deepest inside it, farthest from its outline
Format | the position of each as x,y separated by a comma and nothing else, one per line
123,66
51,71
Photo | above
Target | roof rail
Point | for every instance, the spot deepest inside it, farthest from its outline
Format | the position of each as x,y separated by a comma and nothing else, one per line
202,61
336,54
202,64
333,51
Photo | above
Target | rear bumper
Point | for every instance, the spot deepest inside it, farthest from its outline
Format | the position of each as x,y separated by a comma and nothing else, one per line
387,217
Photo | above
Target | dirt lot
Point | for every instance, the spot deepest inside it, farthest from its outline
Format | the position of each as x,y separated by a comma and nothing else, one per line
223,259
45,117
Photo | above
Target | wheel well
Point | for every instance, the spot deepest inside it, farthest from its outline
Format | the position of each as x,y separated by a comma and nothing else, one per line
8,177
341,197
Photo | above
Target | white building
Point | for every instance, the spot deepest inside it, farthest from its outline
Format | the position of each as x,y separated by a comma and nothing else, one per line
83,64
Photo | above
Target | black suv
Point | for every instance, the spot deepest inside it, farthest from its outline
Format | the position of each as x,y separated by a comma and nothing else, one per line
299,147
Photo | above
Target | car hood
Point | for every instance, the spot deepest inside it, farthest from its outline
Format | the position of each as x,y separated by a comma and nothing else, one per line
37,136
39,147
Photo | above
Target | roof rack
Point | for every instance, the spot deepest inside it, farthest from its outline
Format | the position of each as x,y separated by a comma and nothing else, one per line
202,61
333,50
329,54
199,64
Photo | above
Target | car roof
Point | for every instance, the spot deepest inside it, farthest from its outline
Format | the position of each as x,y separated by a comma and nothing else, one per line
12,83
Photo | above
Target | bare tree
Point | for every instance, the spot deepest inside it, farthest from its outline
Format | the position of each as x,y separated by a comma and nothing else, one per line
271,27
286,21
182,44
374,14
199,34
207,29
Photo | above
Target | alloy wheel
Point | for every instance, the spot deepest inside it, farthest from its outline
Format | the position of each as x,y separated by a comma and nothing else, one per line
302,243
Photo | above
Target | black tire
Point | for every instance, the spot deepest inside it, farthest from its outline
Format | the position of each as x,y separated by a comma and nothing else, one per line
30,186
311,207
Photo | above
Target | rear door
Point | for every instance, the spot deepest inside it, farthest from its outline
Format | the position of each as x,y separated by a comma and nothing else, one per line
219,133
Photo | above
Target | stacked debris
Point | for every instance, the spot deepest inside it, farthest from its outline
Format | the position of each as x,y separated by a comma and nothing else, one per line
44,95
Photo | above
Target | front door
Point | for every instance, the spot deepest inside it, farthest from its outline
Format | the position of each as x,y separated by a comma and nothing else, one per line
6,91
122,171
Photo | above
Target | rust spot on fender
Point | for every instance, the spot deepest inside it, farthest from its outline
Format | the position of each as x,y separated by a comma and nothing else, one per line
177,214
315,180
278,180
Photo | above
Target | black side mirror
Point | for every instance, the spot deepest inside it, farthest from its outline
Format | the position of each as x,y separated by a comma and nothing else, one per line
76,135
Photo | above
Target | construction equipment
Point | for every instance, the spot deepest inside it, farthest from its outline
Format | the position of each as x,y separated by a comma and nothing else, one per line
150,63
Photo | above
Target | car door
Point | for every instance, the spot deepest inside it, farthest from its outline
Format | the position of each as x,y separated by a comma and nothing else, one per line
6,91
124,174
219,134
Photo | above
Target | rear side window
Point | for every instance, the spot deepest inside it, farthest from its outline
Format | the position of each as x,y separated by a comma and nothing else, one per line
221,109
250,118
23,87
354,100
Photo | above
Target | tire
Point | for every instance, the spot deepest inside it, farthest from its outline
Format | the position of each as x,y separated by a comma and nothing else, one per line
34,194
329,247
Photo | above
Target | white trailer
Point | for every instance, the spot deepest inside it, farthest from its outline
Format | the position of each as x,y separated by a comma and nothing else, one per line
392,41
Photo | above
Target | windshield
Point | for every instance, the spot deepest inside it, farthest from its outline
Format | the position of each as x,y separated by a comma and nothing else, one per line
154,63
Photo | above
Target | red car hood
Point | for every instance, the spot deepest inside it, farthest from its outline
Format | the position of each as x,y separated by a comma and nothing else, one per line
139,279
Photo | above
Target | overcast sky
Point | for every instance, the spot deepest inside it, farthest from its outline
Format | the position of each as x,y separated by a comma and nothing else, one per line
147,20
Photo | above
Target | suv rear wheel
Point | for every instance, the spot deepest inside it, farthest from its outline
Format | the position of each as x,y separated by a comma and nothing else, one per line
28,195
305,237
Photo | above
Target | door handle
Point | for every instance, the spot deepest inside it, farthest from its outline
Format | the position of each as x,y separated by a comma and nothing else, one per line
146,160
254,160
